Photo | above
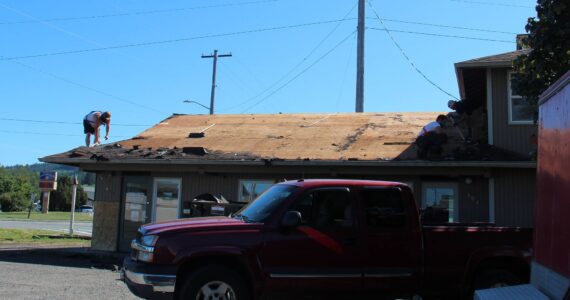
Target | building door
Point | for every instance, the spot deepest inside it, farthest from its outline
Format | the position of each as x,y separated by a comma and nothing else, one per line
136,208
440,202
166,199
323,253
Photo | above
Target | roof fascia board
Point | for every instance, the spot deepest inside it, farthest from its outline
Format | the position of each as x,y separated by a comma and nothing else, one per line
331,163
498,64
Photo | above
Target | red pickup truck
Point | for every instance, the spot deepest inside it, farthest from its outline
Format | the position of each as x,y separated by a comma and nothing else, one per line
324,238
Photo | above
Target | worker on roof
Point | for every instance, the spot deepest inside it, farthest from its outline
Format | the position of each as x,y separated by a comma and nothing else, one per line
91,124
431,137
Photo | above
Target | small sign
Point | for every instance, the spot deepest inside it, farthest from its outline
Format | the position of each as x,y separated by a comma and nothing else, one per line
217,210
48,181
48,176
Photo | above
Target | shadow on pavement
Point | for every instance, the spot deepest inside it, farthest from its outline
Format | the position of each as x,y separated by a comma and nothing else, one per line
79,257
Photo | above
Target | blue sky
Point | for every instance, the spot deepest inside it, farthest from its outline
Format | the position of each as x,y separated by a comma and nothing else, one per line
301,69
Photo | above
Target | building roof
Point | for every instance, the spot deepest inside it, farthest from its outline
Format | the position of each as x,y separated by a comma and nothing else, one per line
366,136
497,60
240,139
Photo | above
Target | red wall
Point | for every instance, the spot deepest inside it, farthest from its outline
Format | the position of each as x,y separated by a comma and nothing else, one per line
552,232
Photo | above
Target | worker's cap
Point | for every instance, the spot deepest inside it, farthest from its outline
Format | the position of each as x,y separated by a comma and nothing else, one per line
450,103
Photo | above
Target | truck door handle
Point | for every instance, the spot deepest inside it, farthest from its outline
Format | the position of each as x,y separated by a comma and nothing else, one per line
349,241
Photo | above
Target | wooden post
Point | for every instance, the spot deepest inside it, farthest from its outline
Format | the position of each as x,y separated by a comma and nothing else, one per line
45,202
73,195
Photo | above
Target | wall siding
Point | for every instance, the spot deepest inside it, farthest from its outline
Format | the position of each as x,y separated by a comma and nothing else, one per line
474,200
515,193
106,207
516,138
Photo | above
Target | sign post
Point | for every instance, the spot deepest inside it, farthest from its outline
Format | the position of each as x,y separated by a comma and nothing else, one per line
48,183
73,195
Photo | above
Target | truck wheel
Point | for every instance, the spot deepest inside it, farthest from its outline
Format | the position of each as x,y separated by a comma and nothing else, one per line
214,283
495,278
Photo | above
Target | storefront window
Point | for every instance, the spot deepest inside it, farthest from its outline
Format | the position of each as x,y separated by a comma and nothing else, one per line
440,203
250,189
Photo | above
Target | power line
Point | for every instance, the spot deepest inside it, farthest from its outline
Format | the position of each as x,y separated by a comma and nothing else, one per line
446,26
149,12
300,73
443,35
66,123
406,56
172,41
300,63
49,133
82,85
492,3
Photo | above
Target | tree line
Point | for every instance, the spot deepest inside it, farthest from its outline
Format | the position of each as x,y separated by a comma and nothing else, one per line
19,186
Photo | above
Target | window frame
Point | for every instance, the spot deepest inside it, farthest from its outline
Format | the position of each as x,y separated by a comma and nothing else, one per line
443,184
510,97
154,191
240,187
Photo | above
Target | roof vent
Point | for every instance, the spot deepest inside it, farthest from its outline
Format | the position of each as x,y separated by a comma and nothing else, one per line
196,135
200,134
195,150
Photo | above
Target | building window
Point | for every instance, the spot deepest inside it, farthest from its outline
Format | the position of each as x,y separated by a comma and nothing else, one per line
250,189
521,111
166,199
439,203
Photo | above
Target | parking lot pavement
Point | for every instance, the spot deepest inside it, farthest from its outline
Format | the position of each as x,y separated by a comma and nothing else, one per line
60,274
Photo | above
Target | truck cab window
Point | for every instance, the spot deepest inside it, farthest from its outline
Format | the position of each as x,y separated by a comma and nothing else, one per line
384,208
326,209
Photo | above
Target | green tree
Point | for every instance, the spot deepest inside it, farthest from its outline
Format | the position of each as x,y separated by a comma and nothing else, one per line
549,59
16,187
60,199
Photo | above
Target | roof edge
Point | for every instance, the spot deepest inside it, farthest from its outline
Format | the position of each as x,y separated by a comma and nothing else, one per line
264,162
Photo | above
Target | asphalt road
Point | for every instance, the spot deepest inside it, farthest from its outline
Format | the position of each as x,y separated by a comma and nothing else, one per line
45,274
62,226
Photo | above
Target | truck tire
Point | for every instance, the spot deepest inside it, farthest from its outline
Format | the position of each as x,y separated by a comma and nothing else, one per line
214,282
495,278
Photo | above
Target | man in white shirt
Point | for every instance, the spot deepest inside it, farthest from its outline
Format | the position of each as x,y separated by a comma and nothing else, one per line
431,137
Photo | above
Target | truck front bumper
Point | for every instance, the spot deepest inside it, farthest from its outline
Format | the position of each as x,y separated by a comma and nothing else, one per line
149,281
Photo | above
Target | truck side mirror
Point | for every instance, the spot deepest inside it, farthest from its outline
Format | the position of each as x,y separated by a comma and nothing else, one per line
291,219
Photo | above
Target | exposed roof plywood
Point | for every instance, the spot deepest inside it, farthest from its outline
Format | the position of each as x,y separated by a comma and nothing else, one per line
365,136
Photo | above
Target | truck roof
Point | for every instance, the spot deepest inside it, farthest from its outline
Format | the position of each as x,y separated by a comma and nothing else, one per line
336,182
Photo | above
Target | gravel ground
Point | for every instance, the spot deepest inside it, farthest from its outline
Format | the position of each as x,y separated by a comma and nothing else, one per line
60,274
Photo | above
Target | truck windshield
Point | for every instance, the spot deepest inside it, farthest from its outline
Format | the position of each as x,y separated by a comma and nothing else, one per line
260,208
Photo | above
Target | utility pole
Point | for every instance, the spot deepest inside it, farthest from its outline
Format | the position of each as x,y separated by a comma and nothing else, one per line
215,57
360,58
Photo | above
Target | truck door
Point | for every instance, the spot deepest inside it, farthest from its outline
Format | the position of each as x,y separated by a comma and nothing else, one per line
392,240
324,253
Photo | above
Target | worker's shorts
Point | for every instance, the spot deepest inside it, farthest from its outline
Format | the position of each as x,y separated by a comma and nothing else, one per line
87,128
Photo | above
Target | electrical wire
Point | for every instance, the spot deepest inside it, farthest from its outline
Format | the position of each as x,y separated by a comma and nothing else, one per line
50,134
300,73
66,123
492,3
443,35
446,26
406,56
300,63
83,86
171,41
149,12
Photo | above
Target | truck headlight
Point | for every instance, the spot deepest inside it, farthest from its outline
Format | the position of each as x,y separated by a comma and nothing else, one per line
144,250
149,240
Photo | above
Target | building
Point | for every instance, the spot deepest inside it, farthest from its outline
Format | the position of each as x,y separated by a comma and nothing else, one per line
152,176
